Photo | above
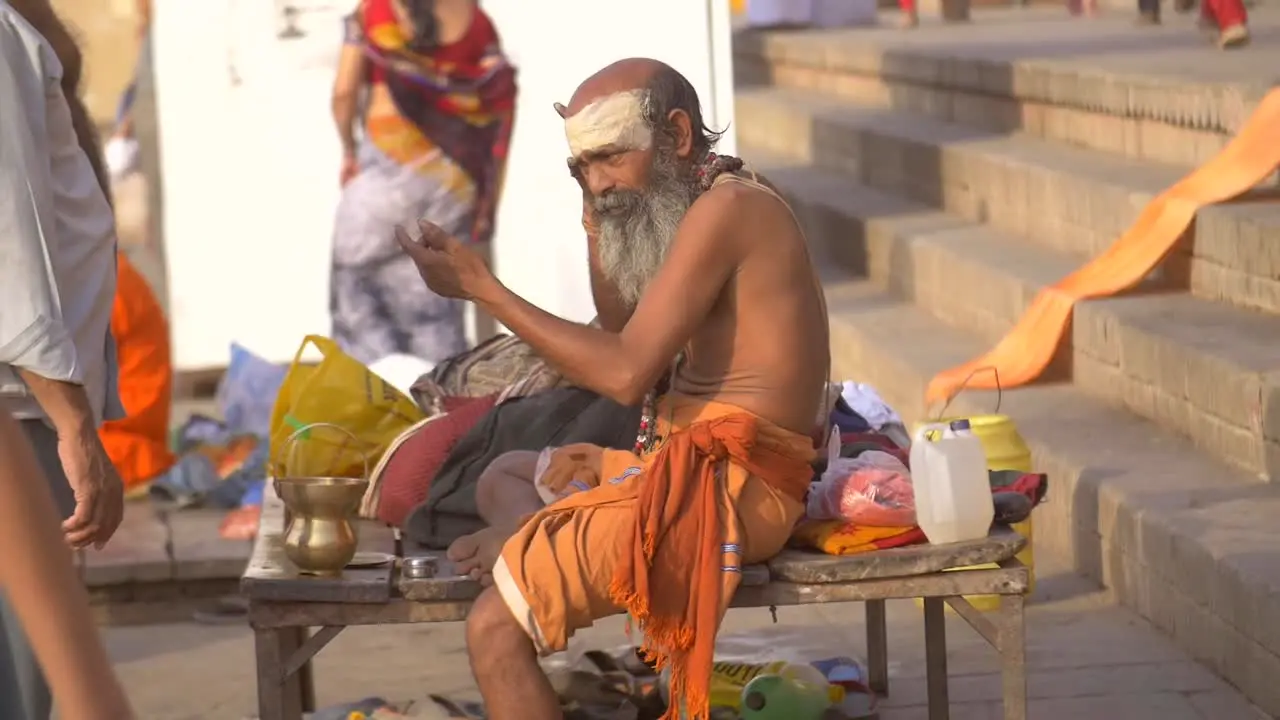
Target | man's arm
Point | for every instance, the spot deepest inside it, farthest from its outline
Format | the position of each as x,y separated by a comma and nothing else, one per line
33,339
346,95
625,365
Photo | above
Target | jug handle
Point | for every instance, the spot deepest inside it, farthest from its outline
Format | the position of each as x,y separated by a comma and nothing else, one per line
999,390
289,445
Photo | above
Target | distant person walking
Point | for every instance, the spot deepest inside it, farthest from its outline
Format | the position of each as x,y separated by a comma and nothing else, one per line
430,142
1227,19
57,283
121,150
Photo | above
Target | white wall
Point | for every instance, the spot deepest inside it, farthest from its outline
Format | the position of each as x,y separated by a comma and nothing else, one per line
250,170
250,175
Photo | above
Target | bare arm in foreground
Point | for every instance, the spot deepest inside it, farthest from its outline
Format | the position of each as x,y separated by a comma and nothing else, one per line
38,576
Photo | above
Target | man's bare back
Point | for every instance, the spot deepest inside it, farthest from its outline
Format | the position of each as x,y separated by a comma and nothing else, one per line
764,345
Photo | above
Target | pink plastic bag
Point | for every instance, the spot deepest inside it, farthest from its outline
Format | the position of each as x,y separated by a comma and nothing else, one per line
871,489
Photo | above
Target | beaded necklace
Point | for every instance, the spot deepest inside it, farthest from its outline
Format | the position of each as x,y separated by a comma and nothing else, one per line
712,167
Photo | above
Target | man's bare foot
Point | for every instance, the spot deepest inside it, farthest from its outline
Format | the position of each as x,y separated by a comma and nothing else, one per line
474,555
908,20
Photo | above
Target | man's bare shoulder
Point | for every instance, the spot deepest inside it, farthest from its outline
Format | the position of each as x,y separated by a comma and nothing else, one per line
752,209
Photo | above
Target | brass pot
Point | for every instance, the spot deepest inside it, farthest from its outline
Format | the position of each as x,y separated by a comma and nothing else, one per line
320,538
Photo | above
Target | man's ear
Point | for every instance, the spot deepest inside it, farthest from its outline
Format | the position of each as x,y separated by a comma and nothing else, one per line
683,127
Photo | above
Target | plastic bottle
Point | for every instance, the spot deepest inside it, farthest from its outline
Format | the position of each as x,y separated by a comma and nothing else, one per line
729,679
949,477
776,697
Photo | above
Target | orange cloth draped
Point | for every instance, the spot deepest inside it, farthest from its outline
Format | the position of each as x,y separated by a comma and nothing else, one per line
138,443
669,575
1026,351
675,526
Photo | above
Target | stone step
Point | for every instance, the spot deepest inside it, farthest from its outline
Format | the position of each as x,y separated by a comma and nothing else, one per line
1142,92
1184,540
1073,200
1204,370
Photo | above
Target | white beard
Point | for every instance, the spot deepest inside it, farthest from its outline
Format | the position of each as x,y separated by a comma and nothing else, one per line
636,228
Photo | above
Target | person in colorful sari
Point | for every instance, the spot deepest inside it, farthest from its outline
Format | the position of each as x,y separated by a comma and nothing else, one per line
121,149
428,141
693,257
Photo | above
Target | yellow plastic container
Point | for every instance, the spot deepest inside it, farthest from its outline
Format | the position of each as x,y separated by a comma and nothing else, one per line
737,7
1005,449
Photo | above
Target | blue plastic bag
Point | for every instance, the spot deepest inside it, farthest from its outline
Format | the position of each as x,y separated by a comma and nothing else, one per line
248,392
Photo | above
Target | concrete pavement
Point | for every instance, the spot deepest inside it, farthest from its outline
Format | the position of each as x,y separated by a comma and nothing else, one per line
1088,659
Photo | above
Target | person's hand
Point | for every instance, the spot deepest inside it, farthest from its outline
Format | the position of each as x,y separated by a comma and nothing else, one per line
449,268
350,168
588,217
99,494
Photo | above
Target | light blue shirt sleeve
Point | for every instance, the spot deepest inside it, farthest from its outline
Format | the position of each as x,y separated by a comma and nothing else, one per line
32,333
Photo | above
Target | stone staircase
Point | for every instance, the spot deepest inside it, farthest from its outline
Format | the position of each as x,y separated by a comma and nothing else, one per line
945,176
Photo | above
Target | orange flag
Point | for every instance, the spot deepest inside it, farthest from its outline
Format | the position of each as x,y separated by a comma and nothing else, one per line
1029,347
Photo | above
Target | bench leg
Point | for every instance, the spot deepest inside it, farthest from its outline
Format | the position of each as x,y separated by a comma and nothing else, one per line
306,678
1013,656
935,653
878,647
279,697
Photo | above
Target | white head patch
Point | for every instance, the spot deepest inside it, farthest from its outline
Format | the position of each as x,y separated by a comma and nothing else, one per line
615,120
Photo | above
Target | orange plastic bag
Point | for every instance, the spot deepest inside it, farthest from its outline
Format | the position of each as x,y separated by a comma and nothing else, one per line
341,392
138,443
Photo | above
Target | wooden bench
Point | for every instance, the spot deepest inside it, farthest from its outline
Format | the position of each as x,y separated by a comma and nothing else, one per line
284,605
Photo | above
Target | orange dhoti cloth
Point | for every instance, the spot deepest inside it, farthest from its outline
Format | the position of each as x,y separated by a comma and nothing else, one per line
138,443
662,537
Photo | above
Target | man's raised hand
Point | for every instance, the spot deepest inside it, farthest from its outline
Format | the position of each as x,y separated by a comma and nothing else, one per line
450,268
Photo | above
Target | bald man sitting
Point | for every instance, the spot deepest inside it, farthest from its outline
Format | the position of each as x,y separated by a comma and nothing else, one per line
691,258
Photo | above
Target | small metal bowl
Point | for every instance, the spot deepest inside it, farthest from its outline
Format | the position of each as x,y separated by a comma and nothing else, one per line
418,567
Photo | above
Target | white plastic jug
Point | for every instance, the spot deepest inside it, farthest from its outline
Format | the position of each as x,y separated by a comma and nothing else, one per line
949,476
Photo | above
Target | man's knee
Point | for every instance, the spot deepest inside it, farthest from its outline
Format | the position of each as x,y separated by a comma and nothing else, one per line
496,479
492,627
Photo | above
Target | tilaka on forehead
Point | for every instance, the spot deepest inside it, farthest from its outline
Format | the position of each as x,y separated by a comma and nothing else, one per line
615,120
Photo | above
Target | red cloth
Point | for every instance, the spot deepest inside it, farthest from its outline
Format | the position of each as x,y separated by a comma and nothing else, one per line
413,465
1225,13
884,441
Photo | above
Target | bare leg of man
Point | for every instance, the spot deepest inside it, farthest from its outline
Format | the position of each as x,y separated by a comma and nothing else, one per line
505,664
504,495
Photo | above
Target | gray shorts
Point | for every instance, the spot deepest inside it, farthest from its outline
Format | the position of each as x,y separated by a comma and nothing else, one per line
44,442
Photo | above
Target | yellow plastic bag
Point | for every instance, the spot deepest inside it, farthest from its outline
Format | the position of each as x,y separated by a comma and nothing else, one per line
339,391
